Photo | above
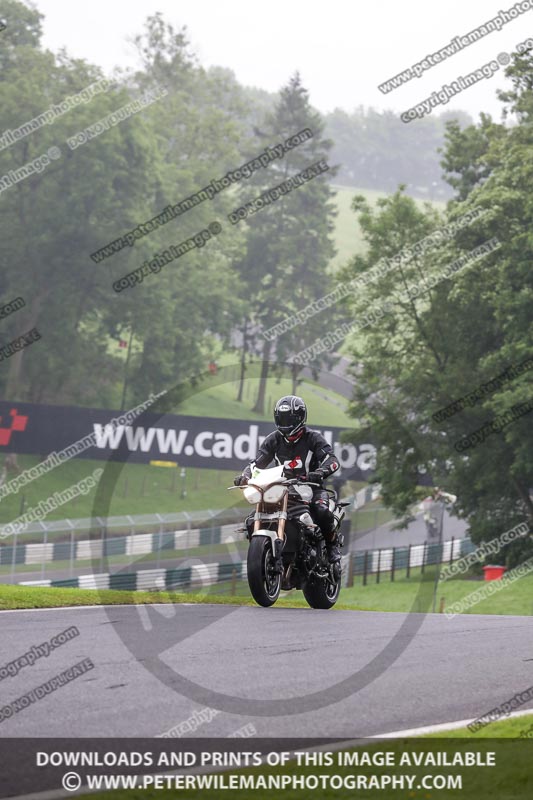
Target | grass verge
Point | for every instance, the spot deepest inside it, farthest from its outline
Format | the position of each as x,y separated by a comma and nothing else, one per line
20,597
402,595
513,728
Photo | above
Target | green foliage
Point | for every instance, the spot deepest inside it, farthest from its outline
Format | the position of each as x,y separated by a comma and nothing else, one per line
253,274
288,244
463,332
465,159
23,30
52,221
423,354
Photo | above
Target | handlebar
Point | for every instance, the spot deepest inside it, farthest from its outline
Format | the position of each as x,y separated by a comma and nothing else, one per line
287,482
292,481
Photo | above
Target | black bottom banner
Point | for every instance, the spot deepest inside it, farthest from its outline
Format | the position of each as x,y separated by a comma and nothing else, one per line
198,769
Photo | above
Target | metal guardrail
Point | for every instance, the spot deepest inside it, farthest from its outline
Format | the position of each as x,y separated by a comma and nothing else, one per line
187,578
193,577
105,546
392,559
129,522
154,522
67,548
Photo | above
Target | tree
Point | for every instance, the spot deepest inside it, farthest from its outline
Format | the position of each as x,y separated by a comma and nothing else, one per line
454,337
195,300
46,219
465,157
287,243
53,220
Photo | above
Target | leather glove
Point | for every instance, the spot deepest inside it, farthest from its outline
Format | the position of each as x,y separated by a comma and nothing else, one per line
315,477
240,480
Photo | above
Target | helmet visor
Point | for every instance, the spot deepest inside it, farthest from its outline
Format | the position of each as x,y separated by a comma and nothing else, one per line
287,420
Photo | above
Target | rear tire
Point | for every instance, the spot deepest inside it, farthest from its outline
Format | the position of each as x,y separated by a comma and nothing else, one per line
321,593
264,584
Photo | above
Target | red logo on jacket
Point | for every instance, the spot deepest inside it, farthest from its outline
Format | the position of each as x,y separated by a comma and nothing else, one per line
296,463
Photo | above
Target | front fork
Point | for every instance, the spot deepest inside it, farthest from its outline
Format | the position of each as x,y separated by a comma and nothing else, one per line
278,543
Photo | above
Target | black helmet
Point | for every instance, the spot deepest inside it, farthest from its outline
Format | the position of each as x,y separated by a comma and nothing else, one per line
290,414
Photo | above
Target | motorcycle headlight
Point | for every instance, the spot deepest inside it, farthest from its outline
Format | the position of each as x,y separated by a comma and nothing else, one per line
252,494
274,494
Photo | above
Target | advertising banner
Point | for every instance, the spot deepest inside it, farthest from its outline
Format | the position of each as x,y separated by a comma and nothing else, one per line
96,433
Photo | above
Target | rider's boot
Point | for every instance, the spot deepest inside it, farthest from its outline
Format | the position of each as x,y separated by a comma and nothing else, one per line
333,549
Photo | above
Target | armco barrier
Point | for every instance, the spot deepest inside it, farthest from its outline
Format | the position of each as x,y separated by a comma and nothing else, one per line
182,578
207,574
49,531
390,559
133,544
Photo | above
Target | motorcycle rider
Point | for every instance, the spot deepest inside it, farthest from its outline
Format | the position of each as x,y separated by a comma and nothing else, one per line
307,455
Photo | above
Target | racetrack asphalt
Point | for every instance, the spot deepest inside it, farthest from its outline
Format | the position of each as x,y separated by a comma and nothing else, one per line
155,666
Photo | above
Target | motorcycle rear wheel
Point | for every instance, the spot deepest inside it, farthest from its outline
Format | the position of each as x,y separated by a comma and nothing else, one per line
321,593
264,584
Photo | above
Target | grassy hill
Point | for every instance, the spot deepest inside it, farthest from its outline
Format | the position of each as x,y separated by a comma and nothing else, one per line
325,407
347,233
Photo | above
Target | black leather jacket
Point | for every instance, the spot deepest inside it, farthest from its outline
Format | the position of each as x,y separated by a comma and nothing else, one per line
310,453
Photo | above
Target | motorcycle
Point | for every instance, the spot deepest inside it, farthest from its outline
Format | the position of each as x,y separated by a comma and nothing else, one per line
287,549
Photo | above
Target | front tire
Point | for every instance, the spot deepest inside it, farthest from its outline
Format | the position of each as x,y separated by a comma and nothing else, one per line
264,584
321,593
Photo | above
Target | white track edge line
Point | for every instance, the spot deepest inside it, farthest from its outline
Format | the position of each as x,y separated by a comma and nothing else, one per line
445,726
112,605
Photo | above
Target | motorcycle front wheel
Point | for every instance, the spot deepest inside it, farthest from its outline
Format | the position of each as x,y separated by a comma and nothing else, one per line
264,583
